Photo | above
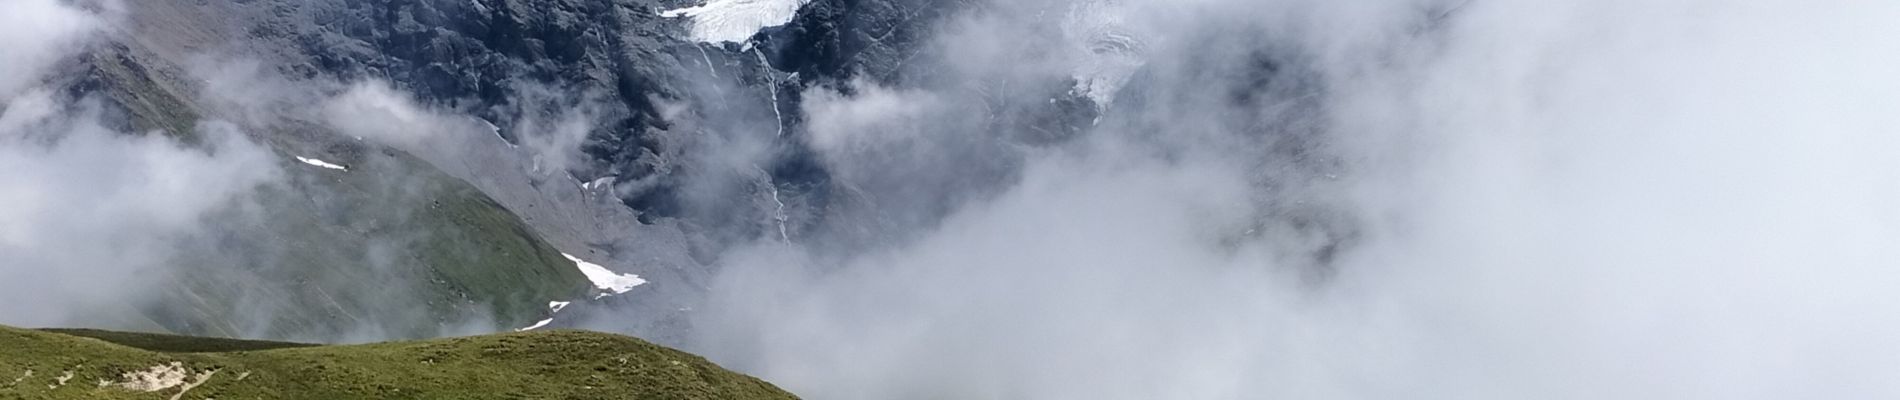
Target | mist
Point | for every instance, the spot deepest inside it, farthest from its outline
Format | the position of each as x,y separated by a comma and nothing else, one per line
228,227
36,33
1306,199
1266,199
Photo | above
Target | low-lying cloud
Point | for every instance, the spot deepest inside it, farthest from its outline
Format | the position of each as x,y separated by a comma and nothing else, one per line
34,34
1594,200
91,213
204,231
375,111
89,210
1285,198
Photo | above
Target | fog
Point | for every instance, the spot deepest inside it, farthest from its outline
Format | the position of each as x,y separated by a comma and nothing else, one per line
33,35
1492,199
1270,199
87,209
107,227
93,212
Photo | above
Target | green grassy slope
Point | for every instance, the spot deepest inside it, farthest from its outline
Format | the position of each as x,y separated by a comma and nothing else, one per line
393,248
536,365
390,244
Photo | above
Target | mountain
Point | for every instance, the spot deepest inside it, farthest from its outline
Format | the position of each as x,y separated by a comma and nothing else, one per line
291,264
86,364
892,199
618,128
457,167
616,192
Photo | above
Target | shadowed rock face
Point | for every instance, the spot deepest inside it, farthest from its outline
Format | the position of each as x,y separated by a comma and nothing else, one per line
836,39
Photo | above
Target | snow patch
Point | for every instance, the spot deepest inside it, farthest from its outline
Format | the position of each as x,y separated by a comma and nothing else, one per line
322,164
598,183
735,20
553,307
536,325
605,279
496,129
1109,53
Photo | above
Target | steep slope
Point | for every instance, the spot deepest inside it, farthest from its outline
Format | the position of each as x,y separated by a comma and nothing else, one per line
687,147
358,241
653,108
542,365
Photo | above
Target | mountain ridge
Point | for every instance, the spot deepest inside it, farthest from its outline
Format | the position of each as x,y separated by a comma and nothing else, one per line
92,364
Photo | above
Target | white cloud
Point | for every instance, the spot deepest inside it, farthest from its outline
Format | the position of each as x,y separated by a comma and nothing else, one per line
93,214
1624,199
871,118
34,34
372,110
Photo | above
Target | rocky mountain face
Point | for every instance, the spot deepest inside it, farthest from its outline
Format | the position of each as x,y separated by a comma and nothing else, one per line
290,260
873,199
469,166
597,124
615,135
657,118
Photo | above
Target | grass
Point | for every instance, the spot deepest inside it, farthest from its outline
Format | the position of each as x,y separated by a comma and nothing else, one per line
394,248
174,343
558,364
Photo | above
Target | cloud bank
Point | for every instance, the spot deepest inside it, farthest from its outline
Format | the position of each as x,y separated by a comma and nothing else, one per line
207,231
34,34
94,216
1282,198
1623,199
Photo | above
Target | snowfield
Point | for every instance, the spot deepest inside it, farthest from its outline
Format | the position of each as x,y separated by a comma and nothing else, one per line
1110,54
536,325
606,279
735,20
